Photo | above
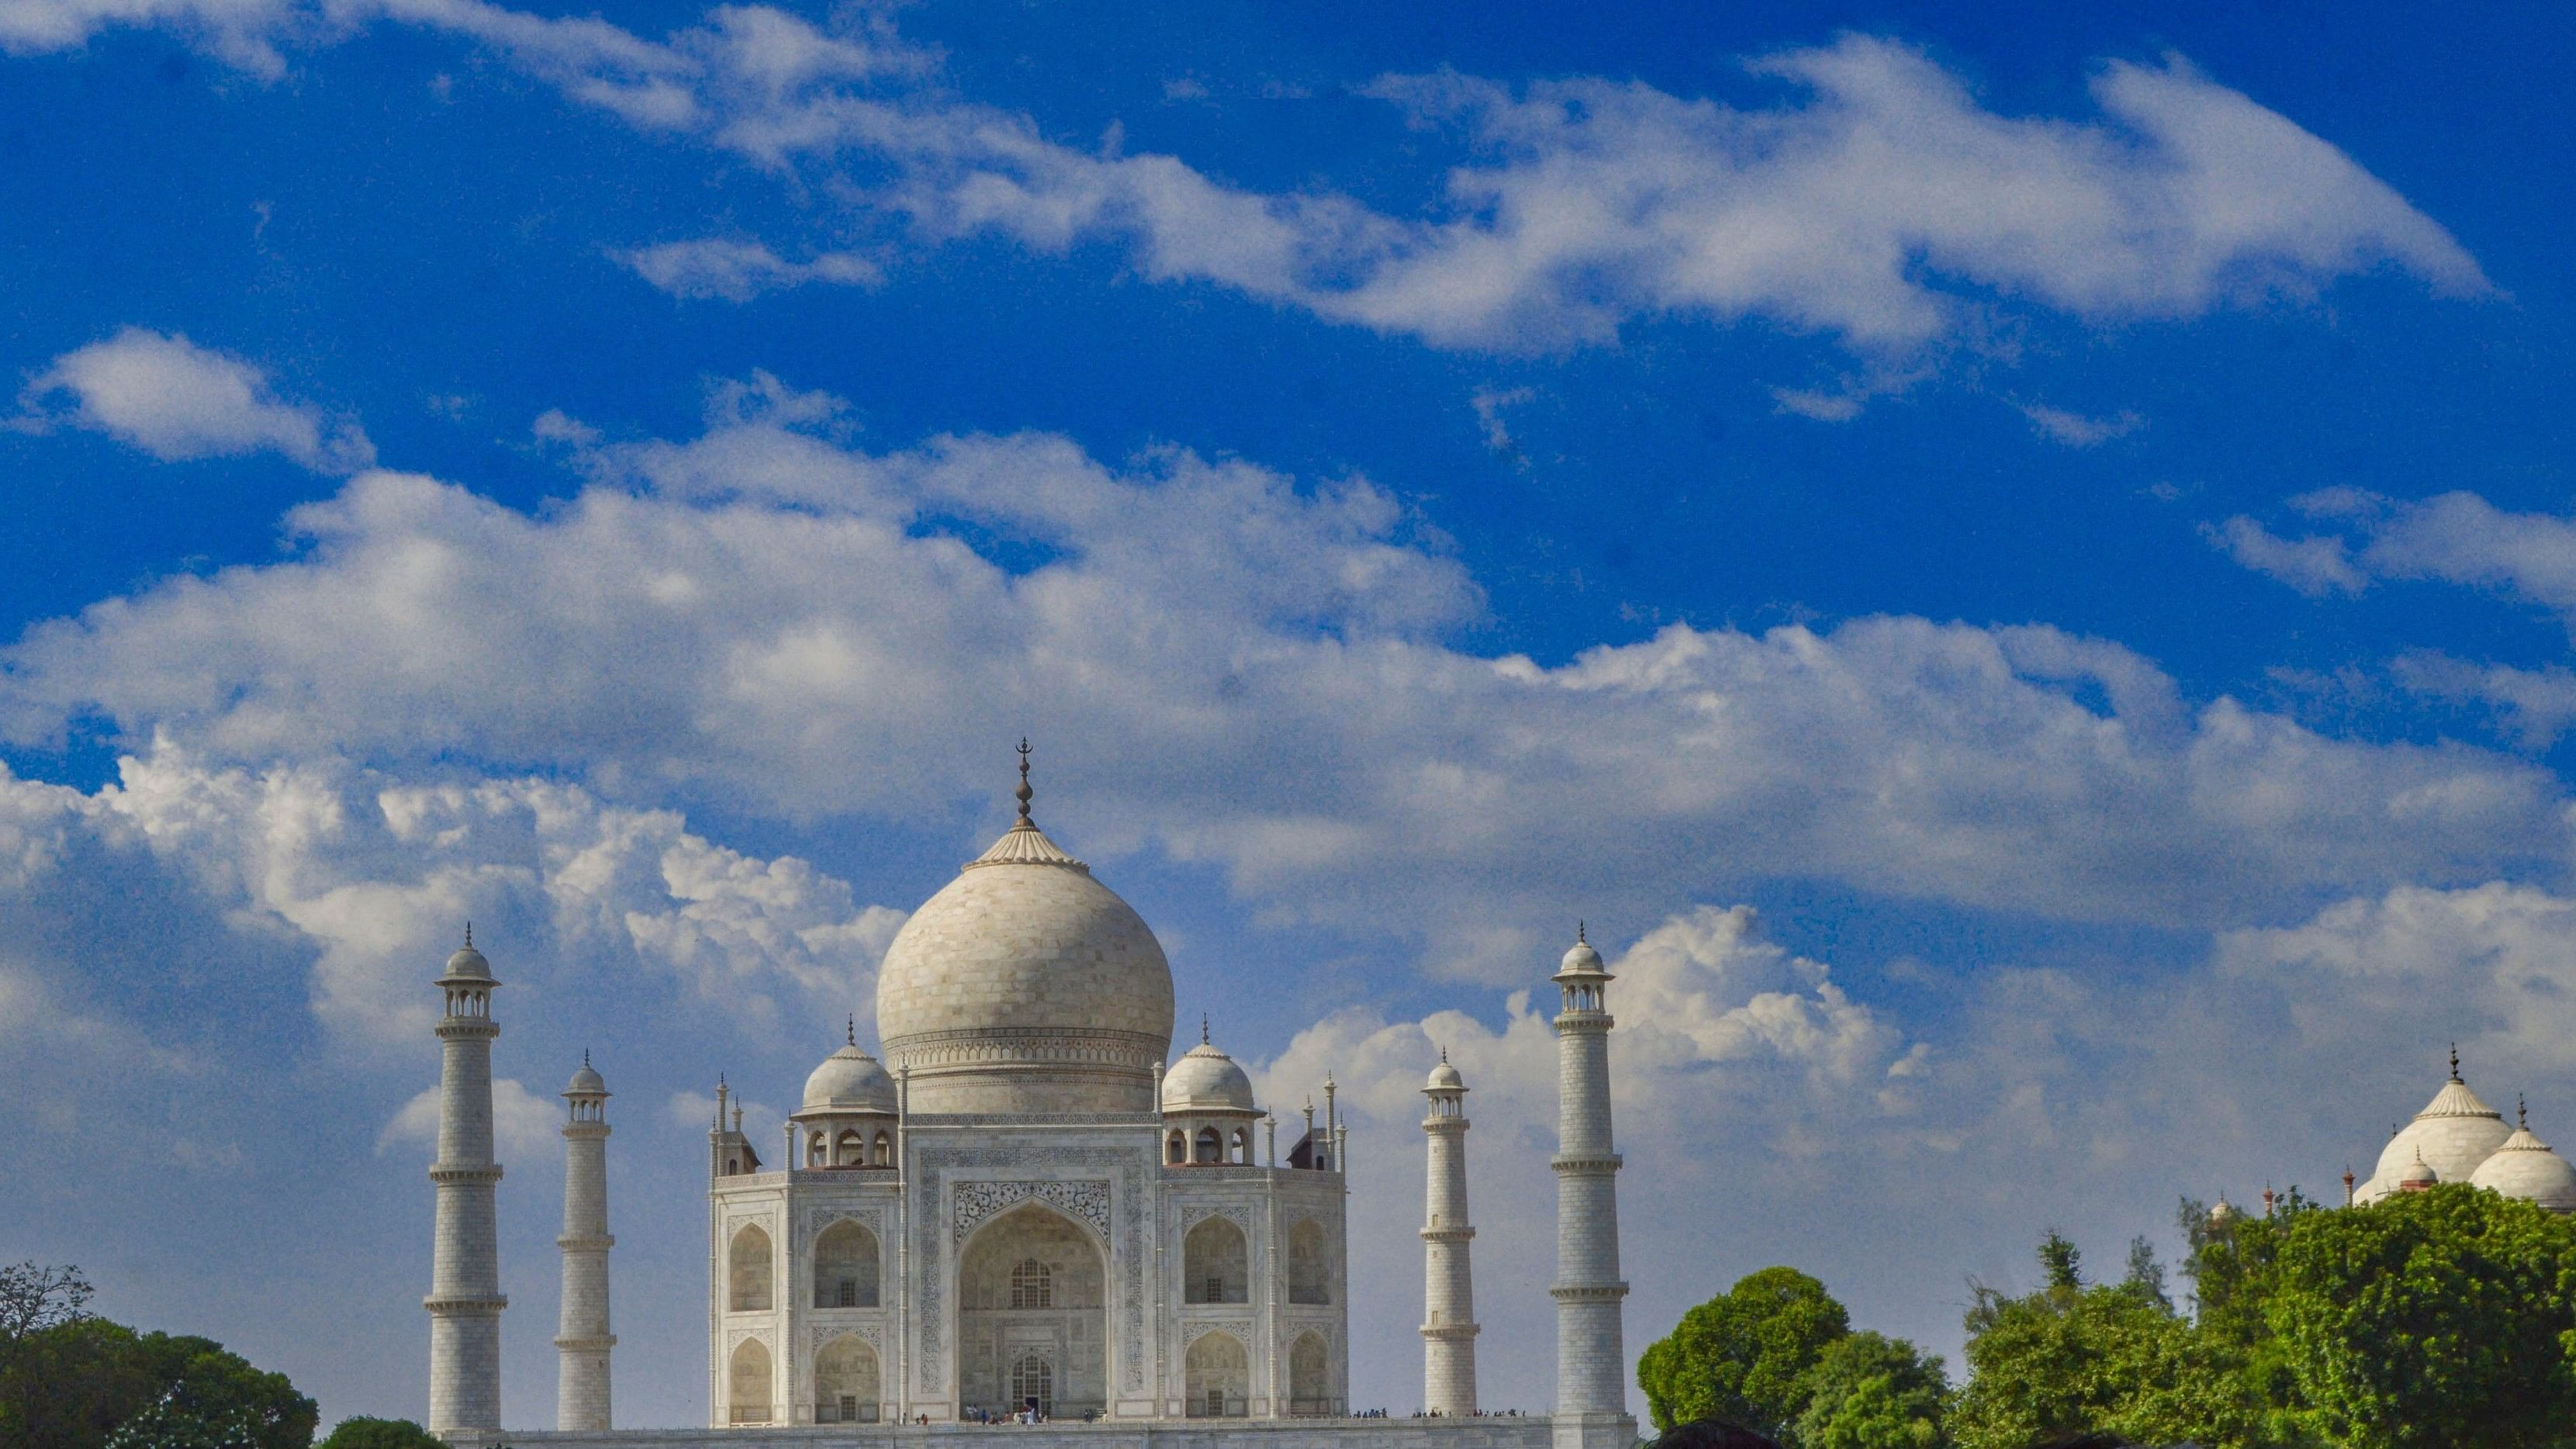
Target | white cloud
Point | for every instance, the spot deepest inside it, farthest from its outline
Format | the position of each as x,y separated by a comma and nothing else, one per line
1489,404
2076,430
1228,666
2537,705
372,877
2457,538
2315,565
1885,206
243,32
176,400
525,1125
738,271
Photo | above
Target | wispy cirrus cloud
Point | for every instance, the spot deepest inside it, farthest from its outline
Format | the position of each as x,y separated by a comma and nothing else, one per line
175,400
738,271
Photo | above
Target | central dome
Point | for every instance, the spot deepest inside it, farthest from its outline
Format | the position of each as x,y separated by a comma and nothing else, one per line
1026,986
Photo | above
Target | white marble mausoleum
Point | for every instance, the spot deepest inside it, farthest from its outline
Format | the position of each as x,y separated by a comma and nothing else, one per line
1029,1209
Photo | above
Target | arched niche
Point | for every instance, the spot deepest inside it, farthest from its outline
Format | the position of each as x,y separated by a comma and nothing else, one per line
1216,1377
1216,1263
846,1387
1033,1283
747,1383
1309,1376
845,1266
748,1263
1310,1273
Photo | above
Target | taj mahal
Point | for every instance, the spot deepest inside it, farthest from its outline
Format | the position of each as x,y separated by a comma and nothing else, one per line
1029,1213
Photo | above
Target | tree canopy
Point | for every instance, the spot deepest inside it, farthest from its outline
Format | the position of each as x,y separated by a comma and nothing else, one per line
1776,1355
71,1381
364,1433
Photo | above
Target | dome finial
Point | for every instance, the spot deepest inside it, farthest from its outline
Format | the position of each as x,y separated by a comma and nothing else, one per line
1578,933
1444,1056
1024,792
585,1056
850,1033
2455,1062
2521,1112
1203,1029
469,935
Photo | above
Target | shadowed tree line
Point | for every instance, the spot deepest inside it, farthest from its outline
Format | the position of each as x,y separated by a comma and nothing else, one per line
2443,1318
70,1380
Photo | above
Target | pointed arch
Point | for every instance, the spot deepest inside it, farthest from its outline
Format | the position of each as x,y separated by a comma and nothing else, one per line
1217,1377
1310,1274
1033,1283
748,1264
1216,1263
846,1258
846,1383
747,1396
1309,1376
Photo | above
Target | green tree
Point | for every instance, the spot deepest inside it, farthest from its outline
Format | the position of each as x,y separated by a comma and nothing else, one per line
2444,1317
1744,1355
2069,1358
363,1433
1869,1391
92,1378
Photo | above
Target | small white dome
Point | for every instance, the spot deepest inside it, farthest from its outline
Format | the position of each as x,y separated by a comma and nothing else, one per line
586,1082
1206,1080
2222,1214
1582,960
849,1081
2524,1167
2418,1173
1445,1078
468,964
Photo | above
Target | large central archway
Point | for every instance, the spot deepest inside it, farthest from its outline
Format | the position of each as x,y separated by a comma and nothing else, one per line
1033,1309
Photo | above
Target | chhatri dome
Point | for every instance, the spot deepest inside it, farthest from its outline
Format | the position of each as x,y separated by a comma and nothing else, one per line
1026,986
2524,1167
2452,1135
849,1080
1206,1080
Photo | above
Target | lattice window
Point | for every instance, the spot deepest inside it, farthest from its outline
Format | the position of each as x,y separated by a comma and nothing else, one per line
1032,1285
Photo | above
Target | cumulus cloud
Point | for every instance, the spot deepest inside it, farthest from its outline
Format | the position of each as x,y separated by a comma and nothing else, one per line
2315,565
371,877
738,271
1882,204
1237,668
524,1124
175,400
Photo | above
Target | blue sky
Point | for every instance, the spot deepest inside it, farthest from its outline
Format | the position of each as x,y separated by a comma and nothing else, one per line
2016,567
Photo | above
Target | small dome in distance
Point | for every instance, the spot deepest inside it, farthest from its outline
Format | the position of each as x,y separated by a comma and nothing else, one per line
586,1082
849,1080
2416,1176
2223,1214
1445,1078
2525,1168
1206,1080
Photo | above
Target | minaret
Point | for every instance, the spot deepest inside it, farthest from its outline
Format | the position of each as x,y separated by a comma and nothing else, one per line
1448,1298
1591,1359
465,1299
582,1339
